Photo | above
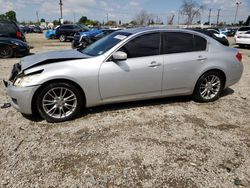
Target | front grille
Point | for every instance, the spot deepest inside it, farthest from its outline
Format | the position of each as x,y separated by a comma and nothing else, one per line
15,71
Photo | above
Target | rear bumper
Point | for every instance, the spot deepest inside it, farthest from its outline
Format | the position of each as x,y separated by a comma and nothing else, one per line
21,97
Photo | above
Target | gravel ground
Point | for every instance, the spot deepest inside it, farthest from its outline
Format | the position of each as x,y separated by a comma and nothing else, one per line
172,142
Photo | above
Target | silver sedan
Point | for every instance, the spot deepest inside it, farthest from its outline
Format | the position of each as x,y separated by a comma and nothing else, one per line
127,65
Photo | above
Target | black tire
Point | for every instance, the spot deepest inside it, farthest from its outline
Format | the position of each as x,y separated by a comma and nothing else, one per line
59,105
6,52
199,94
63,38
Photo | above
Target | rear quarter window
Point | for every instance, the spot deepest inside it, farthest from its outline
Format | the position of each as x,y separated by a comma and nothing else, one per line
7,28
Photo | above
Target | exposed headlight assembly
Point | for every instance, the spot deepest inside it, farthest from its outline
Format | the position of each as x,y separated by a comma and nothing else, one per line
25,80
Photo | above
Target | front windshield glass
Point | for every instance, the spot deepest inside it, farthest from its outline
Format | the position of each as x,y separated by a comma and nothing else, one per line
105,43
84,27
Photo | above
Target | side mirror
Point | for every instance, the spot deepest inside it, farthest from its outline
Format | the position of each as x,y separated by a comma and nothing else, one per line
120,56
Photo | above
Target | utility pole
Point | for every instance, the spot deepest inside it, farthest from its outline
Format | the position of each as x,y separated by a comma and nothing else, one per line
37,16
61,4
209,16
107,17
237,7
218,16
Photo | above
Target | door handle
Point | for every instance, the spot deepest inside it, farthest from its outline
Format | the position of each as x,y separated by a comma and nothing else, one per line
154,64
201,58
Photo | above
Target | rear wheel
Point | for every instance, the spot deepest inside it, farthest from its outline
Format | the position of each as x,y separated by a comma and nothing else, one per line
58,102
209,87
63,38
6,52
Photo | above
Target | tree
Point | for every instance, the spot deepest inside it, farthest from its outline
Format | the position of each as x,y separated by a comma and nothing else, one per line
143,18
56,22
191,9
11,15
111,23
42,20
3,17
83,20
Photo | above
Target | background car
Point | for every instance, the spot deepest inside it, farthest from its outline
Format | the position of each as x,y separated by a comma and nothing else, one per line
37,29
67,31
231,32
11,29
243,39
128,65
11,47
242,30
223,40
83,39
217,33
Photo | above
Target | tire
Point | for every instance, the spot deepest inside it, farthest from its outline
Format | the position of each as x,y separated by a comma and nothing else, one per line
209,87
63,38
58,102
6,52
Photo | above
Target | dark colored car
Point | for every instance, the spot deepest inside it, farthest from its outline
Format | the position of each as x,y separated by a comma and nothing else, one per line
11,47
11,29
223,41
67,31
83,39
231,32
37,29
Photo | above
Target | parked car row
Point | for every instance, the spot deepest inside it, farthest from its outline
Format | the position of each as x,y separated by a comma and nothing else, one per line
12,40
31,29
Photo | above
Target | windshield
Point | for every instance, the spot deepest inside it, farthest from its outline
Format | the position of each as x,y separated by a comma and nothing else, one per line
105,44
84,27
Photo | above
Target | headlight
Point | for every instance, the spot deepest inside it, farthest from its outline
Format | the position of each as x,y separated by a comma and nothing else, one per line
25,80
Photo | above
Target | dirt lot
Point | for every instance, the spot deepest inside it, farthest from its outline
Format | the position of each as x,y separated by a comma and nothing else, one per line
172,142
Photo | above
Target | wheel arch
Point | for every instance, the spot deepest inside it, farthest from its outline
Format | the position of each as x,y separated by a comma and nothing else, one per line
216,70
76,85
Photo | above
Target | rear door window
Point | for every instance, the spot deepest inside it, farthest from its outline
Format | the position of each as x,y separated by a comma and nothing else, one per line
177,42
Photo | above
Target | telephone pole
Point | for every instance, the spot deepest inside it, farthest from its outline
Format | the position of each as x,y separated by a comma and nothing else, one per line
237,7
209,16
218,16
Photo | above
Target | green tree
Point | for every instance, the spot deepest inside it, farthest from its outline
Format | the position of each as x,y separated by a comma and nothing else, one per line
83,20
56,22
42,20
11,15
3,17
111,23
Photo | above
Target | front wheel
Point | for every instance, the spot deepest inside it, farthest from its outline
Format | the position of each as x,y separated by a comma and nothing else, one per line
58,102
209,87
62,38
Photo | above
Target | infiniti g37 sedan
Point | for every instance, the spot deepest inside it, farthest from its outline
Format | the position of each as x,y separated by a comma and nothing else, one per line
128,65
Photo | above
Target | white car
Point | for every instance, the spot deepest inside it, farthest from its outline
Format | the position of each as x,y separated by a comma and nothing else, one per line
217,33
243,39
242,30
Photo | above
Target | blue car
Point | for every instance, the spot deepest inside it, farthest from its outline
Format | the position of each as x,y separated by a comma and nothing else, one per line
51,34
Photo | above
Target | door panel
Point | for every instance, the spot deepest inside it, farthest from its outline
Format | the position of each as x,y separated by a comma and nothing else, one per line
135,76
181,71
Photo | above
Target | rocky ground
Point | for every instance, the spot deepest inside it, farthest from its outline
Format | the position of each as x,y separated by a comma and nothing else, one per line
171,142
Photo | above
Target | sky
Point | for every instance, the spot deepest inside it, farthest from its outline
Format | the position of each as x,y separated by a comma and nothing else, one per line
124,10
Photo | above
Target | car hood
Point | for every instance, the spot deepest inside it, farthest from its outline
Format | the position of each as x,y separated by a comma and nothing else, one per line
51,57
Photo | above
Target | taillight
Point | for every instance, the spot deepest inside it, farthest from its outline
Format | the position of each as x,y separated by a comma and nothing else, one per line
239,56
19,34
